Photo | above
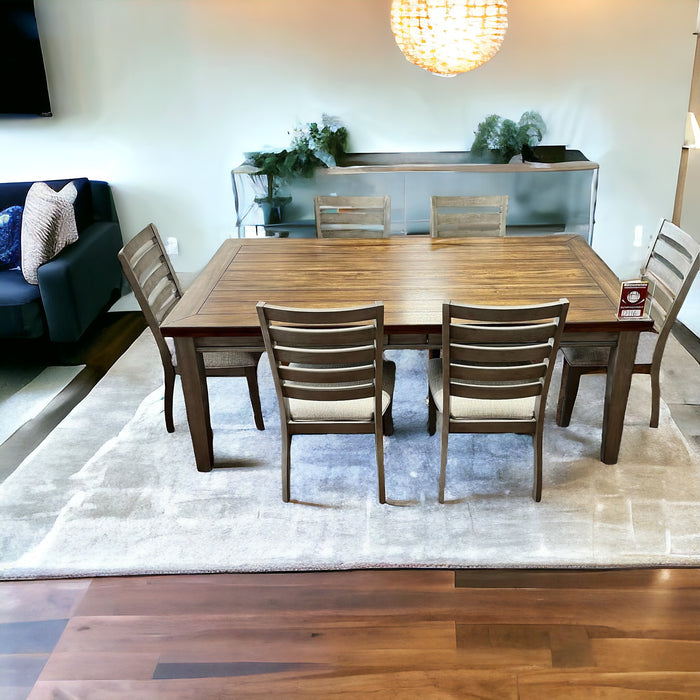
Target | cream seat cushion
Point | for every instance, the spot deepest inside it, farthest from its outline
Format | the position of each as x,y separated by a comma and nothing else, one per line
354,409
598,356
48,226
464,408
220,359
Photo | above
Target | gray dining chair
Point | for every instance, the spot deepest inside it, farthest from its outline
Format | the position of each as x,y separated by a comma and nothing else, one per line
671,265
494,373
329,375
452,217
352,217
157,289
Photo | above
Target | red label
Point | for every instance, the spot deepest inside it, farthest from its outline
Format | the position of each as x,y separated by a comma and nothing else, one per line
633,299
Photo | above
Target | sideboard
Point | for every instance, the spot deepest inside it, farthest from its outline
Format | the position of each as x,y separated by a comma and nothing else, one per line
544,197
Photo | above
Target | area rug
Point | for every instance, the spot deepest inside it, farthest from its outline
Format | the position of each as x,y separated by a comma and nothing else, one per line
111,492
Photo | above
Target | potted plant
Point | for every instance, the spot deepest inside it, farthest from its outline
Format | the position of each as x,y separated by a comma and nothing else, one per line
312,147
497,140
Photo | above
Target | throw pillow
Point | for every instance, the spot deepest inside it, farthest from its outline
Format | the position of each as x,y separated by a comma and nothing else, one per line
48,226
10,235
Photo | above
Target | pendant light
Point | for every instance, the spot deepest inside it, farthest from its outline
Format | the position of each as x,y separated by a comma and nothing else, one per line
447,37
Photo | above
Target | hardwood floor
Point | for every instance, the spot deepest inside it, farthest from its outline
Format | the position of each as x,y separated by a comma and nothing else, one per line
401,634
103,343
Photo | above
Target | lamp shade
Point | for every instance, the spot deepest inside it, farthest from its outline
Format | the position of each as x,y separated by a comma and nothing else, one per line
447,37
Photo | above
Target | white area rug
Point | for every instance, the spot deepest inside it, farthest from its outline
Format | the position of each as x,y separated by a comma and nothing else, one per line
32,399
111,492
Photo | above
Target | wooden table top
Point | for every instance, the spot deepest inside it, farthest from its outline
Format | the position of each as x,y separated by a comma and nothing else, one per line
412,275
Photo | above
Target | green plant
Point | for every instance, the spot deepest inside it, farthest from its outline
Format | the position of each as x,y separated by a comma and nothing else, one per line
500,139
312,147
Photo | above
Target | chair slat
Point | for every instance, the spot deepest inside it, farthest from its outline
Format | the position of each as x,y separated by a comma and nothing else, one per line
495,391
661,296
325,375
680,260
151,282
522,334
660,273
498,374
671,232
323,337
518,314
163,303
352,233
319,393
317,317
349,217
342,356
147,262
144,239
485,354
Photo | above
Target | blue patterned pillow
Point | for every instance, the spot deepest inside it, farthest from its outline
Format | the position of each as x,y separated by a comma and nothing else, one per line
10,237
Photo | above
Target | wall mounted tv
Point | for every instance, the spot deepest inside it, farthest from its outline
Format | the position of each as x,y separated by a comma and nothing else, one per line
24,89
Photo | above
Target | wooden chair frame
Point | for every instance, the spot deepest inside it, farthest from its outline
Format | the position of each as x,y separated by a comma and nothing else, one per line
671,265
452,217
497,353
157,289
327,355
352,217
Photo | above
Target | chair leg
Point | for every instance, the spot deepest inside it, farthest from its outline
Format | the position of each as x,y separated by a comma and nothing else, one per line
570,378
432,413
537,476
388,420
443,459
655,397
379,449
169,381
286,462
251,375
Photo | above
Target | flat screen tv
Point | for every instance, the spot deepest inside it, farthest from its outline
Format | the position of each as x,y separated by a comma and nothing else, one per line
23,89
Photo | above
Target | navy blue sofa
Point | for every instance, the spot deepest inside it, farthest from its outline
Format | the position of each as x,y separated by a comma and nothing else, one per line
79,283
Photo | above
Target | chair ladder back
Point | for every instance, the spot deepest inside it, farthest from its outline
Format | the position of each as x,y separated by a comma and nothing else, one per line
486,355
468,216
152,278
324,355
352,217
671,266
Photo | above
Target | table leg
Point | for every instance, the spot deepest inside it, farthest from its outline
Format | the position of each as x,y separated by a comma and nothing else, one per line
617,387
194,388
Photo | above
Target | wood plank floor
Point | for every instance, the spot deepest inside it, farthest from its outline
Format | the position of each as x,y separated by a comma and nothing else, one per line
400,634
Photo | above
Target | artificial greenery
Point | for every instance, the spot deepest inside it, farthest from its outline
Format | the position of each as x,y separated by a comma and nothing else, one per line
312,147
498,140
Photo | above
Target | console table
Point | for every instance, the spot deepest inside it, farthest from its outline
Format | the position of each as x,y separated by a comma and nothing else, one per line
544,198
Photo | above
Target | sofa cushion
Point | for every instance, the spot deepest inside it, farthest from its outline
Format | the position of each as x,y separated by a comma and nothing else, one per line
15,290
10,233
48,226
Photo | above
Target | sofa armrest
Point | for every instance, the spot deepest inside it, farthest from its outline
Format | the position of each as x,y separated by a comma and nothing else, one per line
81,281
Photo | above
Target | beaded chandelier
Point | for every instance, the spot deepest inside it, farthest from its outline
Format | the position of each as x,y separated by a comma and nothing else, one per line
447,37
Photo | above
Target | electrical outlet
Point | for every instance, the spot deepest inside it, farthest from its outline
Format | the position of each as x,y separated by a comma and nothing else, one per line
171,247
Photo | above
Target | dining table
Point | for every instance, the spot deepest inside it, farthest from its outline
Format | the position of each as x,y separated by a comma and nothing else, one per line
412,275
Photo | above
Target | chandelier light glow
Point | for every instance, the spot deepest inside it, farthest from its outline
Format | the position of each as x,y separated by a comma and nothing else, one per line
447,37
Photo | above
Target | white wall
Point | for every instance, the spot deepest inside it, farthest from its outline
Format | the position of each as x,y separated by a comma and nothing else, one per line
162,97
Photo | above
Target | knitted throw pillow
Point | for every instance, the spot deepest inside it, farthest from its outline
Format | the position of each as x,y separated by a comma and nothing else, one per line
48,226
